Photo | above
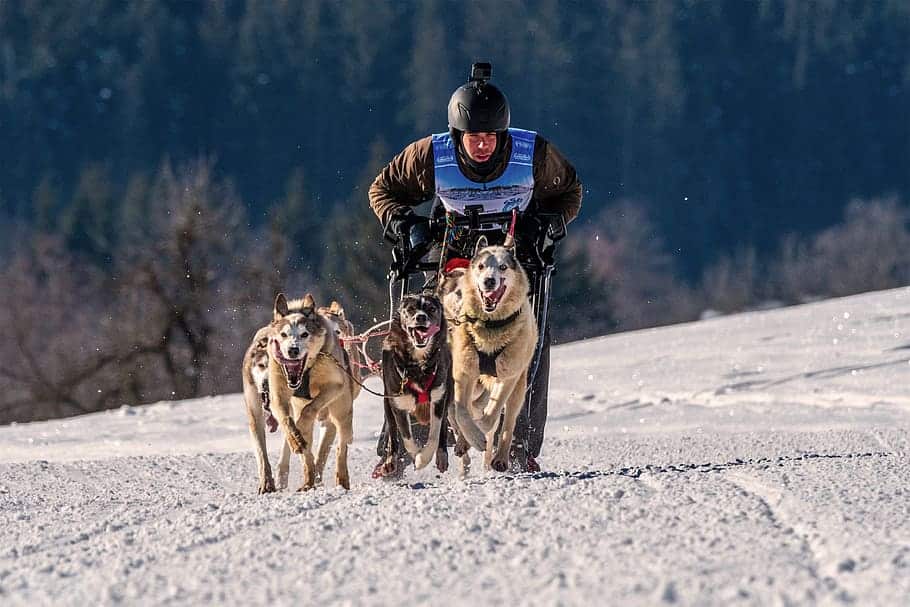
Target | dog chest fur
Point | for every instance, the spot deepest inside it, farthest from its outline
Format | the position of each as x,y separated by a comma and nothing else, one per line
408,400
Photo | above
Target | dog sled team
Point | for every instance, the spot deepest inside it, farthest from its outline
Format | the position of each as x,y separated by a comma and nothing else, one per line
465,356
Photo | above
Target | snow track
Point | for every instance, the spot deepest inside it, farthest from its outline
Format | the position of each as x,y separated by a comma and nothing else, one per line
667,480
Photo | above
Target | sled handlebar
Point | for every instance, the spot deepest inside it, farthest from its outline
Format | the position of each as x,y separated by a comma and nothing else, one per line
554,222
540,231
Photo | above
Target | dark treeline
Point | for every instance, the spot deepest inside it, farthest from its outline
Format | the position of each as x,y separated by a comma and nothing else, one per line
732,153
731,120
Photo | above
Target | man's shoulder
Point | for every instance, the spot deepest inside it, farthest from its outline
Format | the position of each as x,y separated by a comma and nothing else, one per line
418,151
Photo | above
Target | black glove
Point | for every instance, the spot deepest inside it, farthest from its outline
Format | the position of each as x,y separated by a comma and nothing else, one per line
408,227
398,226
549,224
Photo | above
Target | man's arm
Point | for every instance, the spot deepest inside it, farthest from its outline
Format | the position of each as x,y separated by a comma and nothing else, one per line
556,185
406,182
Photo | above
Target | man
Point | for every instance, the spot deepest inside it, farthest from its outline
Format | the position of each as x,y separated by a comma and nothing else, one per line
481,151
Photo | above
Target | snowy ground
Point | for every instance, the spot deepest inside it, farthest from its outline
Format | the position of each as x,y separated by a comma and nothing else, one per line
759,459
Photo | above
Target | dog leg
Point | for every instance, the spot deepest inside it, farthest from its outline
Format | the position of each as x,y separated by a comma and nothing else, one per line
403,422
341,416
425,455
464,467
284,465
281,409
325,445
513,408
388,466
304,426
491,409
255,417
342,476
442,444
489,449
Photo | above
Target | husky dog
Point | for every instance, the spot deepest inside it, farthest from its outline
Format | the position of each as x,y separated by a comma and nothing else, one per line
308,381
417,377
492,347
255,372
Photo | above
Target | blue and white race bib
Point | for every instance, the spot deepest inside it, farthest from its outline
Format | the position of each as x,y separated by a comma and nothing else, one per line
512,190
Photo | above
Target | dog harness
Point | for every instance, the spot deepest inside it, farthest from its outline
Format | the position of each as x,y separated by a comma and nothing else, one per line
421,392
265,397
512,190
487,360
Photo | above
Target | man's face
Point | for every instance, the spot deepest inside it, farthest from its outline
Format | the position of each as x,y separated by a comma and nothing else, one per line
479,146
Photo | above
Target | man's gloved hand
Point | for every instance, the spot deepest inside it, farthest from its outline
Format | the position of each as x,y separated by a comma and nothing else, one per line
398,225
550,224
407,226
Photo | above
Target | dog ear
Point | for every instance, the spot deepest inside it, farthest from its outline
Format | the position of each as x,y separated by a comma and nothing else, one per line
337,310
509,243
481,244
281,306
309,304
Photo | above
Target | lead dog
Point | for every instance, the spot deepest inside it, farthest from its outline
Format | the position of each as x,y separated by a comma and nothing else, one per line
493,344
417,377
308,381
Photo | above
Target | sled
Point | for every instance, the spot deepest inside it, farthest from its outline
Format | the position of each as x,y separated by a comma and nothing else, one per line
535,248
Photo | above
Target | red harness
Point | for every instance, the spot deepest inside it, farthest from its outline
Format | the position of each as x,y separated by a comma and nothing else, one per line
421,392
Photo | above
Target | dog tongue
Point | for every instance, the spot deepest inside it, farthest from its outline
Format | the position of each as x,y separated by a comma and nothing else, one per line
495,296
294,370
426,333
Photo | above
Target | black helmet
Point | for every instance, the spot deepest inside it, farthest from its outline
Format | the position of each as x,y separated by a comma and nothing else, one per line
478,106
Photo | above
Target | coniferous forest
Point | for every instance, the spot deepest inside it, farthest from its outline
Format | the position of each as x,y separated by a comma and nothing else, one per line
167,166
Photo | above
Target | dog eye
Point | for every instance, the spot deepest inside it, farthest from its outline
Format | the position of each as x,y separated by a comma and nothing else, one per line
283,334
502,268
480,266
304,335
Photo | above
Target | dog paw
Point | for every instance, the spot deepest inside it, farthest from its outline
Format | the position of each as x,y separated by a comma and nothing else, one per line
306,487
267,486
499,465
282,481
421,460
442,460
386,468
343,481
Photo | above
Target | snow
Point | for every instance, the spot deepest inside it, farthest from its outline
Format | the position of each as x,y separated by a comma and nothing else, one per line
757,459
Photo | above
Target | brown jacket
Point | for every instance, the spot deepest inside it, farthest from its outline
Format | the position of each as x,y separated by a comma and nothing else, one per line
409,180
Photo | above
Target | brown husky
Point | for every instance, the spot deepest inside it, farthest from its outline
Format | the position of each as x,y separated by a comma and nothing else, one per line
308,381
493,341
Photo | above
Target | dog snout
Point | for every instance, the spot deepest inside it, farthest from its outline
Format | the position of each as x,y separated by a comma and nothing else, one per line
421,317
293,351
489,283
